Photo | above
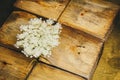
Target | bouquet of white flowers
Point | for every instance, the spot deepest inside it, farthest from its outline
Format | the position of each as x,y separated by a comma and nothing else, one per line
38,37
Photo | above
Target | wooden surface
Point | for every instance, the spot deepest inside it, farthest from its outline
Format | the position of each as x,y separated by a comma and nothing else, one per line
109,66
10,28
93,17
13,65
45,72
75,53
46,8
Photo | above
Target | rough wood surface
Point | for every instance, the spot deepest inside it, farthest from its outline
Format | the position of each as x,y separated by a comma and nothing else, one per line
93,17
10,28
13,65
109,65
45,72
46,8
75,53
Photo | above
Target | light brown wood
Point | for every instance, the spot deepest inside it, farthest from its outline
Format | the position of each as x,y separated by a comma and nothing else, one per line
10,28
75,53
46,8
45,72
13,65
91,16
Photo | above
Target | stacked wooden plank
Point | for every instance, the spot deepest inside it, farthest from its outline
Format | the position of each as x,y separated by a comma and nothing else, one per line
93,17
77,54
8,34
13,65
44,72
81,52
47,8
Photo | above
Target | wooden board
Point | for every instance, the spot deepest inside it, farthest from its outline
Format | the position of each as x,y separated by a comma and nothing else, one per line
75,53
13,65
10,28
45,72
109,65
93,17
46,8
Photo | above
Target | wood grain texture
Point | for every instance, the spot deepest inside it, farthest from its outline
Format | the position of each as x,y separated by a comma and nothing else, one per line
45,72
13,65
93,17
10,28
75,53
46,8
109,65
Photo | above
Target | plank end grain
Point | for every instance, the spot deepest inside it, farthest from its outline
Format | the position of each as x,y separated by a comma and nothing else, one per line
92,17
13,65
47,8
75,53
45,72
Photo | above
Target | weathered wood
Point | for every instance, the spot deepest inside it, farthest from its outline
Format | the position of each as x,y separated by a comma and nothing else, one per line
10,28
47,8
109,65
91,16
45,72
75,53
13,65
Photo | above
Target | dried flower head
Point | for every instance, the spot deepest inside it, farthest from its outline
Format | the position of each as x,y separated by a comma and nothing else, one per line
38,37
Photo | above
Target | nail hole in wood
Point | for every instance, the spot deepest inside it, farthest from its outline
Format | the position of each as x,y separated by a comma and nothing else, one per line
78,52
81,14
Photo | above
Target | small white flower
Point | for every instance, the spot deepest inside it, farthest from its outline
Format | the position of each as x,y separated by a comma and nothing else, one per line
49,21
38,37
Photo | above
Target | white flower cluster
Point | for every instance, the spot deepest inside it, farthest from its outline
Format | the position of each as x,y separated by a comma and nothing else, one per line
38,37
